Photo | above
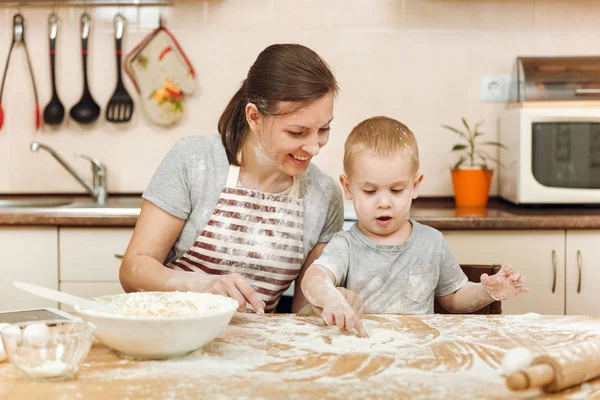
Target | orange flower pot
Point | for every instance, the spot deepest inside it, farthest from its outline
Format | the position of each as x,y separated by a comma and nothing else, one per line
471,186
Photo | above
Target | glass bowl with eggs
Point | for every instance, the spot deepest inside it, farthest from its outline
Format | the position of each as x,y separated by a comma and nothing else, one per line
47,351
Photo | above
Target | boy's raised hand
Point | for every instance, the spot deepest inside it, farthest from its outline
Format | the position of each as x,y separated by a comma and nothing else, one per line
505,284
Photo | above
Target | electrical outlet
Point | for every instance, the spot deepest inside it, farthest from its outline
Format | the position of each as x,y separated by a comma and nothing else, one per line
494,88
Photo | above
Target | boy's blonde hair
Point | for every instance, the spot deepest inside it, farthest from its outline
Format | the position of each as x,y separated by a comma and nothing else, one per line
383,137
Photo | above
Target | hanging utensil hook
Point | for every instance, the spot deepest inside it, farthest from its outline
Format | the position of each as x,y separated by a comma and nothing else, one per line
85,25
119,23
53,25
18,30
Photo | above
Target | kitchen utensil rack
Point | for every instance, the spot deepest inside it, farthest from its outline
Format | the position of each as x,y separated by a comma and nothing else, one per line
84,3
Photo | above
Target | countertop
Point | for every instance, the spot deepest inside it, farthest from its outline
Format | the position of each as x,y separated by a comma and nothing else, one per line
439,213
290,356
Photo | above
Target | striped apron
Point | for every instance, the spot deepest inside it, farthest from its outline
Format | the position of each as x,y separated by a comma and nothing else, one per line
255,234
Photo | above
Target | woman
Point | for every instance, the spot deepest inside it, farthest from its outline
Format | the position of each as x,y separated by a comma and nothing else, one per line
244,214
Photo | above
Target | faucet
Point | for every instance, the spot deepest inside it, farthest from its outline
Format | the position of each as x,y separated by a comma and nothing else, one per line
98,189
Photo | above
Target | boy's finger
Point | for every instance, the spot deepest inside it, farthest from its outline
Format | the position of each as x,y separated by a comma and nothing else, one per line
515,277
505,270
339,320
349,324
523,289
360,311
328,318
484,278
360,328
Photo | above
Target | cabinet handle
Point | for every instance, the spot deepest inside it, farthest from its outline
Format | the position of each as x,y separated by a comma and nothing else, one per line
579,268
119,256
554,271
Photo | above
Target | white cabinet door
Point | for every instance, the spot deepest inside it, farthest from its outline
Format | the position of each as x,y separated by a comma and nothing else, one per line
89,289
538,254
583,272
91,254
28,254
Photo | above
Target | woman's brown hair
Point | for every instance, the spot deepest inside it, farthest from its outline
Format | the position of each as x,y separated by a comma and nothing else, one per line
282,72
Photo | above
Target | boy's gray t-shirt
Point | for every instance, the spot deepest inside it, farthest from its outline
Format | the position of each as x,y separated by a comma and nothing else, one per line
394,279
188,183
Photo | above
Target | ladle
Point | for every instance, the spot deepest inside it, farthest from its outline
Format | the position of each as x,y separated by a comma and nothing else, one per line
87,110
54,111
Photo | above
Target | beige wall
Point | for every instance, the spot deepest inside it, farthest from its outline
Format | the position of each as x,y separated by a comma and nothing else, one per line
416,60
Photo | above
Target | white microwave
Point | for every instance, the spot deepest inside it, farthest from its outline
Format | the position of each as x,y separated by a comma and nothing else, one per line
552,155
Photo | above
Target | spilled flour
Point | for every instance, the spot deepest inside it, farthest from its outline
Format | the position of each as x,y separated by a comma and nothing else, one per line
296,357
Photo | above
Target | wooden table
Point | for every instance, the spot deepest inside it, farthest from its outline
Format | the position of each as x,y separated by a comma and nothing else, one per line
289,356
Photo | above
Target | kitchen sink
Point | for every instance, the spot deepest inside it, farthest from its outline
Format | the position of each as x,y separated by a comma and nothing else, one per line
35,202
77,205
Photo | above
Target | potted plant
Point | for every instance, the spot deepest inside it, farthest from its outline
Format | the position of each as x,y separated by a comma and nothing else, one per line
471,175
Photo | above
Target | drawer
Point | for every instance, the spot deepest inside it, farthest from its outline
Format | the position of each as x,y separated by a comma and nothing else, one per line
89,254
88,290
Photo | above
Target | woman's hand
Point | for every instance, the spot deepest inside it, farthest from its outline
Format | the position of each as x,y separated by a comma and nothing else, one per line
504,284
230,285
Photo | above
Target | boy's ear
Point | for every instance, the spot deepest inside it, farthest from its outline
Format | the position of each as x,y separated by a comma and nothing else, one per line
253,116
345,182
418,181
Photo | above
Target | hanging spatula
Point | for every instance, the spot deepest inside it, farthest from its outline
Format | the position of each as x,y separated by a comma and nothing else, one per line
120,106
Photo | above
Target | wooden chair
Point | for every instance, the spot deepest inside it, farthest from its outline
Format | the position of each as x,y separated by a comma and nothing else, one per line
474,272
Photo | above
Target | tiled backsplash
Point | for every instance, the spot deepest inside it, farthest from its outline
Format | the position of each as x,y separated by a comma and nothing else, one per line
415,60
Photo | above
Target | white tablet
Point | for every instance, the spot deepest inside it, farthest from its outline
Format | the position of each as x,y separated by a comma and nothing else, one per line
35,314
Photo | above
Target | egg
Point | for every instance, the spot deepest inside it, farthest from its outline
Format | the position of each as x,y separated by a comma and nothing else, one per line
516,359
15,335
36,334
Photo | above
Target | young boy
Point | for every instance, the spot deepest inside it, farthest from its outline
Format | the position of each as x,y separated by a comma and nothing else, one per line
393,263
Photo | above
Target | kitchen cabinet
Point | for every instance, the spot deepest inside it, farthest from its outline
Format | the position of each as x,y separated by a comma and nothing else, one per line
583,272
89,260
29,254
538,254
92,254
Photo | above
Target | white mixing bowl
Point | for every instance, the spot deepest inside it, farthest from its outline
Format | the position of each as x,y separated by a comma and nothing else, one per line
156,325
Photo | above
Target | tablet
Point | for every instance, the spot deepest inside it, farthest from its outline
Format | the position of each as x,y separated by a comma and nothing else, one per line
35,314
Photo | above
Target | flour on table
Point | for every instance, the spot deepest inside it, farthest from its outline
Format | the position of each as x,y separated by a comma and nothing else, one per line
430,357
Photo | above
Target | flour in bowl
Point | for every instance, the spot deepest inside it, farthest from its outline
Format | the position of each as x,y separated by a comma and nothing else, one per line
166,304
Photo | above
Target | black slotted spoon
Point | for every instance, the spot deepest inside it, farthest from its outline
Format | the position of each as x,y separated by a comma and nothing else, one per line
120,106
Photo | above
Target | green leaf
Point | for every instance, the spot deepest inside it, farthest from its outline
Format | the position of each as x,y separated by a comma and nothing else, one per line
486,157
459,133
458,147
497,144
464,121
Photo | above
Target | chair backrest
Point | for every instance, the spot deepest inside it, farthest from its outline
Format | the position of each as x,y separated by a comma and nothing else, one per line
474,272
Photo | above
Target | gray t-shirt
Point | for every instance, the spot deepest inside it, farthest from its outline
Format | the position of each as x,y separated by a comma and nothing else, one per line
188,183
394,279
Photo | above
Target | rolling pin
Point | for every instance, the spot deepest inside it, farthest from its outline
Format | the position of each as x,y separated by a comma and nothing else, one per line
561,367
